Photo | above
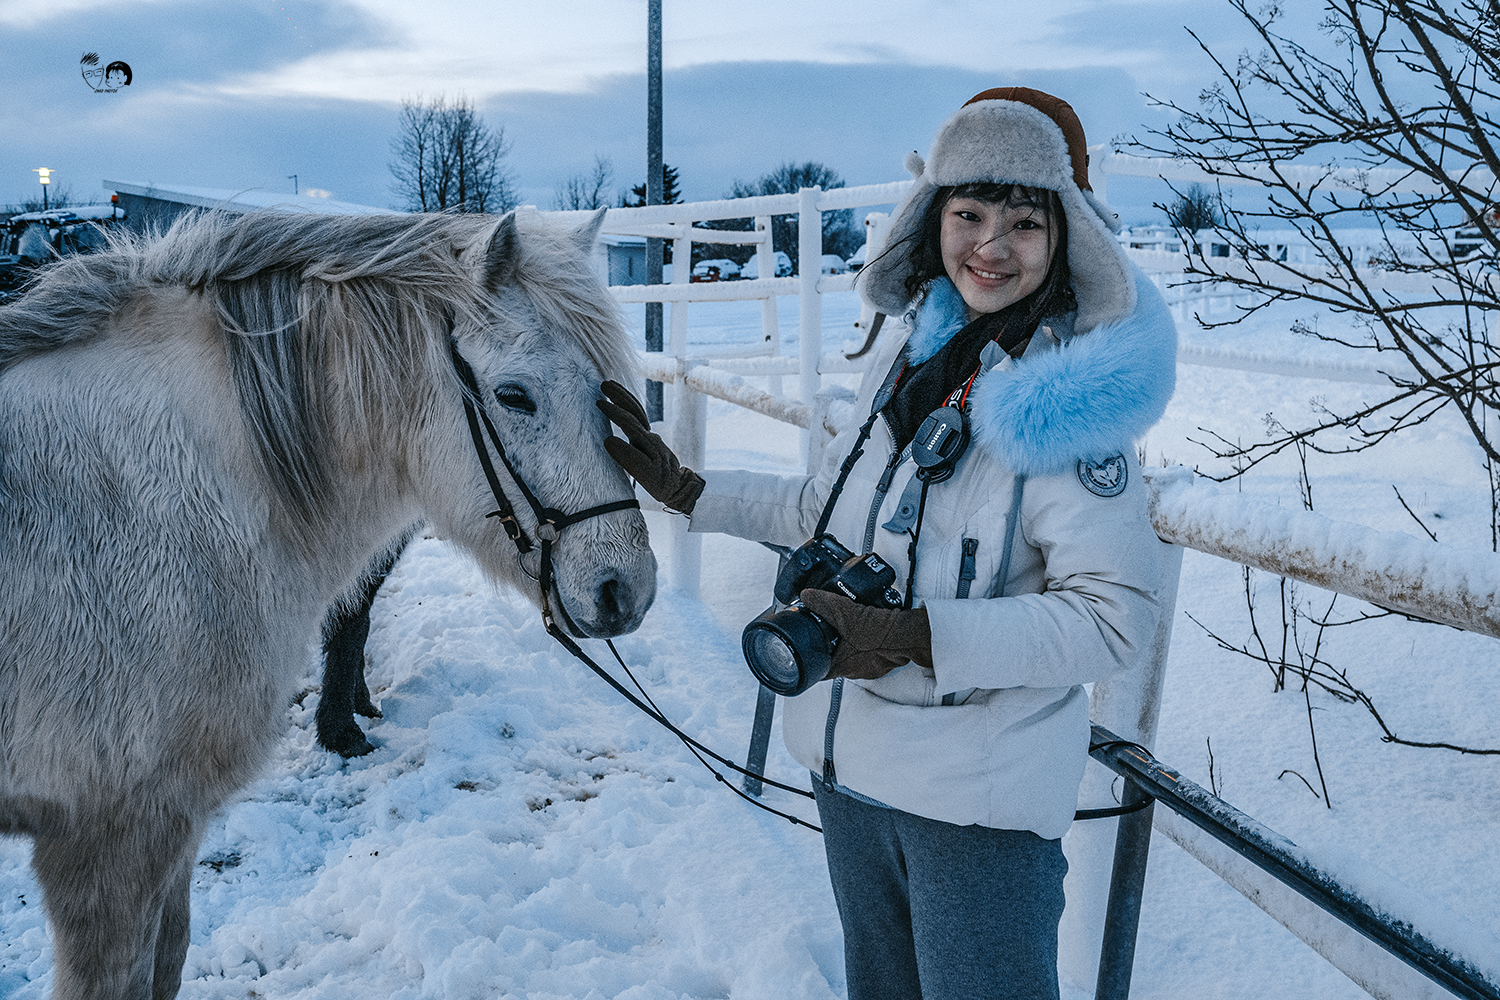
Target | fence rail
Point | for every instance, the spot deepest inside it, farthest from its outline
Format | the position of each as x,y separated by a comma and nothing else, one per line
1389,569
1268,851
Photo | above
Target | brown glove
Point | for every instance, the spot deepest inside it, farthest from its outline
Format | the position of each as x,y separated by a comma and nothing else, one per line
646,457
873,641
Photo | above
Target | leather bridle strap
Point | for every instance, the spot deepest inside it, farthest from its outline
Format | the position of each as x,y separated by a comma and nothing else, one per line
549,521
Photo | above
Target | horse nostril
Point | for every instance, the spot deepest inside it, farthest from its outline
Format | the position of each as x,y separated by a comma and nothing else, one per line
609,600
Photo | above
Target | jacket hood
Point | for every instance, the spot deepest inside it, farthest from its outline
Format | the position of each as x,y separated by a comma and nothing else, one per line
1091,396
1007,141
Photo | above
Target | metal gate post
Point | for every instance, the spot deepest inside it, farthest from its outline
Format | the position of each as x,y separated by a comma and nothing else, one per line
1126,886
760,738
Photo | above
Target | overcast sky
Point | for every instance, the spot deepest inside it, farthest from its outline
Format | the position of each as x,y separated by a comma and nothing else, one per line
242,94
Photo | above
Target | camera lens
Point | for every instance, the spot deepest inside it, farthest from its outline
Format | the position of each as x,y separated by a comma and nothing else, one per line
774,661
788,651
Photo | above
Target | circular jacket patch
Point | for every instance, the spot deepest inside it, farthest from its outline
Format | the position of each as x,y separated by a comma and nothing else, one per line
1106,478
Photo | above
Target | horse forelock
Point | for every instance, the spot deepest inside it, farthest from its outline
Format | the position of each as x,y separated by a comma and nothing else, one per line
555,275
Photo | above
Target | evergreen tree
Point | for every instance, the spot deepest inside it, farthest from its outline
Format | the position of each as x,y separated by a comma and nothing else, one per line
670,195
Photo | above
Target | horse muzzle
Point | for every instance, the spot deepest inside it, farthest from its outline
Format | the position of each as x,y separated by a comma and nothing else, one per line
614,601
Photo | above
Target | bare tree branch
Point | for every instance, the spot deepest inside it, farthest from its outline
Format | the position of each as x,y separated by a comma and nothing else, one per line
444,158
1391,118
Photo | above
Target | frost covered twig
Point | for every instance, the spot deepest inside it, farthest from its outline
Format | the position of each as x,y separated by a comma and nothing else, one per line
1389,119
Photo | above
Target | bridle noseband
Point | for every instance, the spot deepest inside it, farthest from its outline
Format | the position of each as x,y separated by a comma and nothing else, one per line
549,521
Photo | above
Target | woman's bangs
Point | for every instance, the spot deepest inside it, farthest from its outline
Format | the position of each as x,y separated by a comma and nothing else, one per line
1009,195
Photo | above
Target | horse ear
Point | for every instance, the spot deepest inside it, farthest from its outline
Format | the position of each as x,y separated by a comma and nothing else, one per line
588,233
501,254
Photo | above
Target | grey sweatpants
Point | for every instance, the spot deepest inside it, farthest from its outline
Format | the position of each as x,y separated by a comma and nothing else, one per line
941,912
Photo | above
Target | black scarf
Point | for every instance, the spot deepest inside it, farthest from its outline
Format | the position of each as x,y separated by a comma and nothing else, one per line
924,387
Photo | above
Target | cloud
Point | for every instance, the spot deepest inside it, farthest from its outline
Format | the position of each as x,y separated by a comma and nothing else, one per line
491,49
243,94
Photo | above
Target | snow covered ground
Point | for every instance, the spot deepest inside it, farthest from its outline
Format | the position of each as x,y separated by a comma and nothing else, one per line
521,831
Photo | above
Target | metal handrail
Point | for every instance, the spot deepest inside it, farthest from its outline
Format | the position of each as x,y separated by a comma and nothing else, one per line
1267,850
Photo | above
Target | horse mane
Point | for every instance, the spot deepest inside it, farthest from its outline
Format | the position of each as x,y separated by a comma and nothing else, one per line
367,300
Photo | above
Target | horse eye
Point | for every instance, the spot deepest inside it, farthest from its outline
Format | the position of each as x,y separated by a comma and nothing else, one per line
513,397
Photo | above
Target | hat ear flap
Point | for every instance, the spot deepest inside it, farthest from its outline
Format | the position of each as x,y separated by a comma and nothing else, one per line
1109,218
914,164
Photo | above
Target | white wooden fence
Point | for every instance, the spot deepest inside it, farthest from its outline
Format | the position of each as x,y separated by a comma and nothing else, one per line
720,371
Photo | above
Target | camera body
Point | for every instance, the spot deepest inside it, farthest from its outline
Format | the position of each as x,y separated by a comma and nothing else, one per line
791,650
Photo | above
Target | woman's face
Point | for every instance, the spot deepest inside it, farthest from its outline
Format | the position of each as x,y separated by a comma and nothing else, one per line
995,254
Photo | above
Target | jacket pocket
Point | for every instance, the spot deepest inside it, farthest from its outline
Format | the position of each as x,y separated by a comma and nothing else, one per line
966,573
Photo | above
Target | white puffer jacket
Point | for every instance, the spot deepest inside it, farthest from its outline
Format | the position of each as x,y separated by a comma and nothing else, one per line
1053,460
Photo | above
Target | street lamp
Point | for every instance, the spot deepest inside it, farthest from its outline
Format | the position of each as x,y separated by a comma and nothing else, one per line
46,173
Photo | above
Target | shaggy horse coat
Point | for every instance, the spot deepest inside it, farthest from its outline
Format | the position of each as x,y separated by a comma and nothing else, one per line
204,438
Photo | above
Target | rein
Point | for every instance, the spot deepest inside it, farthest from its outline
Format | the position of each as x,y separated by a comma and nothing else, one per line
549,525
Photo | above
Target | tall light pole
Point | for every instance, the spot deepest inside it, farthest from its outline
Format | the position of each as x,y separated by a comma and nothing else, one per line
46,175
654,178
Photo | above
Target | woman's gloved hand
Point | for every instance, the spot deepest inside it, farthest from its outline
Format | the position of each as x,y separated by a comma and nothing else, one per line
646,456
873,641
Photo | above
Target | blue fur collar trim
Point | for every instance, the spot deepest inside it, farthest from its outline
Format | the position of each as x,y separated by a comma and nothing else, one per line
941,315
1090,397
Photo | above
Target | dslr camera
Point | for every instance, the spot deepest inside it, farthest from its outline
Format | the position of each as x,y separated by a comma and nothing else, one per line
791,650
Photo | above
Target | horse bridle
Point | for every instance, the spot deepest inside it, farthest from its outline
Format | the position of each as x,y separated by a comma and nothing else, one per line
549,525
549,521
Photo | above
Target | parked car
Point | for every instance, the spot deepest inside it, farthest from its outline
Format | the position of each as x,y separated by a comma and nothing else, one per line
29,240
834,264
783,266
715,270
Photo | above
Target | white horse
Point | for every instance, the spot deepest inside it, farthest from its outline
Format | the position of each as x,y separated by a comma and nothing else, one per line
204,438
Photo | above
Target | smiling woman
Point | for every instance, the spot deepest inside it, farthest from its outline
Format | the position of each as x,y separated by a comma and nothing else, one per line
947,749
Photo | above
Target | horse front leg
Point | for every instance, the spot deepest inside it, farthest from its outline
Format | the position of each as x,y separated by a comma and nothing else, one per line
117,898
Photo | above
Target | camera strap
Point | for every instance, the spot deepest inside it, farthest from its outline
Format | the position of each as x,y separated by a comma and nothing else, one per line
882,397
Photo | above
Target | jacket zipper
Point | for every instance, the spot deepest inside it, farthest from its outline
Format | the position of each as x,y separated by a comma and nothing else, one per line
966,574
966,570
881,489
837,696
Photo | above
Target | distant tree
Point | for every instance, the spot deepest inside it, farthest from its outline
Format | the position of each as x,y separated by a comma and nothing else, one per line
670,194
587,190
839,235
445,158
1196,208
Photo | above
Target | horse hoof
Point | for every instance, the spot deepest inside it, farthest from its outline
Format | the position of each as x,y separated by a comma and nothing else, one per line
346,741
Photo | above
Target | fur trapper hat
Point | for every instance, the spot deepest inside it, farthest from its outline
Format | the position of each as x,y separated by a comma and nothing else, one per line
1012,135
